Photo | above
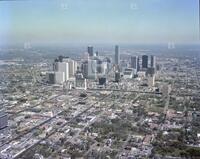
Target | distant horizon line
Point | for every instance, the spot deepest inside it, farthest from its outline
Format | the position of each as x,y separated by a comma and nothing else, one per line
96,43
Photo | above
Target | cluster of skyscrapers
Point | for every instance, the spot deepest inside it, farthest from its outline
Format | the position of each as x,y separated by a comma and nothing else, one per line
64,69
135,62
97,67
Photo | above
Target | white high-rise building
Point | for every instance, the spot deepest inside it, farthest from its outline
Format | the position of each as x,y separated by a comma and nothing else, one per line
63,67
72,66
104,68
59,77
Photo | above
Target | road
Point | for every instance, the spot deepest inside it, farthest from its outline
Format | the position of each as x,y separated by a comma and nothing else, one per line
35,127
57,129
31,107
121,90
82,129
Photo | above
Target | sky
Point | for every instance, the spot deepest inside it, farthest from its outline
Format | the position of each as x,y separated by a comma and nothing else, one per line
99,21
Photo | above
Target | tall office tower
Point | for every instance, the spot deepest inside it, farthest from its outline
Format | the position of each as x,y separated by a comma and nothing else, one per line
117,55
51,77
63,67
99,66
144,61
153,61
138,64
104,67
90,51
92,69
72,66
3,119
134,62
59,77
75,67
84,69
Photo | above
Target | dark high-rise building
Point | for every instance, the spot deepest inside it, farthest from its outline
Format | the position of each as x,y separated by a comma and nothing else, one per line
153,61
90,51
134,62
99,66
138,64
117,76
51,78
84,69
117,55
144,61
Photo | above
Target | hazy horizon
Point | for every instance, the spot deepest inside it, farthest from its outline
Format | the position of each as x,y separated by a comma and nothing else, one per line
92,21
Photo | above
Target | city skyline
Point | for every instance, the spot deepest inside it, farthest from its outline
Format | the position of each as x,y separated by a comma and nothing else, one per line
107,79
138,21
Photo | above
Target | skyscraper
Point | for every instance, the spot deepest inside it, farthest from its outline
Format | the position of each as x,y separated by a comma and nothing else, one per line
145,61
90,51
51,77
60,77
117,55
138,64
72,66
64,67
153,61
99,66
92,69
134,61
84,69
89,69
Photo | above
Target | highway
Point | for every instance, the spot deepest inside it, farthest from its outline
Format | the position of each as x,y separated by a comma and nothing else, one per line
30,130
118,90
57,129
37,126
87,125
